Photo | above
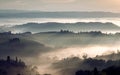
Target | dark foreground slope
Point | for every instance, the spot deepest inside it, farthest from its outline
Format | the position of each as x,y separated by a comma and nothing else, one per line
112,70
89,66
15,67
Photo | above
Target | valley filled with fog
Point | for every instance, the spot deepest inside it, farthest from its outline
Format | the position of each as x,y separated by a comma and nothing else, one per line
61,45
50,51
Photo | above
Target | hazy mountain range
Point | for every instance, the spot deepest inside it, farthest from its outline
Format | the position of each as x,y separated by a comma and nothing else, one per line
42,14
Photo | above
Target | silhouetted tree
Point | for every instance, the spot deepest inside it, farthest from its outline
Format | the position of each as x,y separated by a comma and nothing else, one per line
95,71
8,59
85,56
16,59
14,40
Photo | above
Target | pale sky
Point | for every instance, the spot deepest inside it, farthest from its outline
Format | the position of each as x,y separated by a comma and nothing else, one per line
62,5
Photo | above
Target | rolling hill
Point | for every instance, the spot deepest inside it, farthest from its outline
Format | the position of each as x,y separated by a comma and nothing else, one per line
53,26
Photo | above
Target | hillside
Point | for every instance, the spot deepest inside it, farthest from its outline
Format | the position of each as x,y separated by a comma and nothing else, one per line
53,26
15,67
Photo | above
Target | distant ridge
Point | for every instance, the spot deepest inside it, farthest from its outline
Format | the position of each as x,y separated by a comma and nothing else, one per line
63,14
53,26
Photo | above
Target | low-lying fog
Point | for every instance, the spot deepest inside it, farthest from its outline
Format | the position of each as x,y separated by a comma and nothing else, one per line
18,21
60,54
